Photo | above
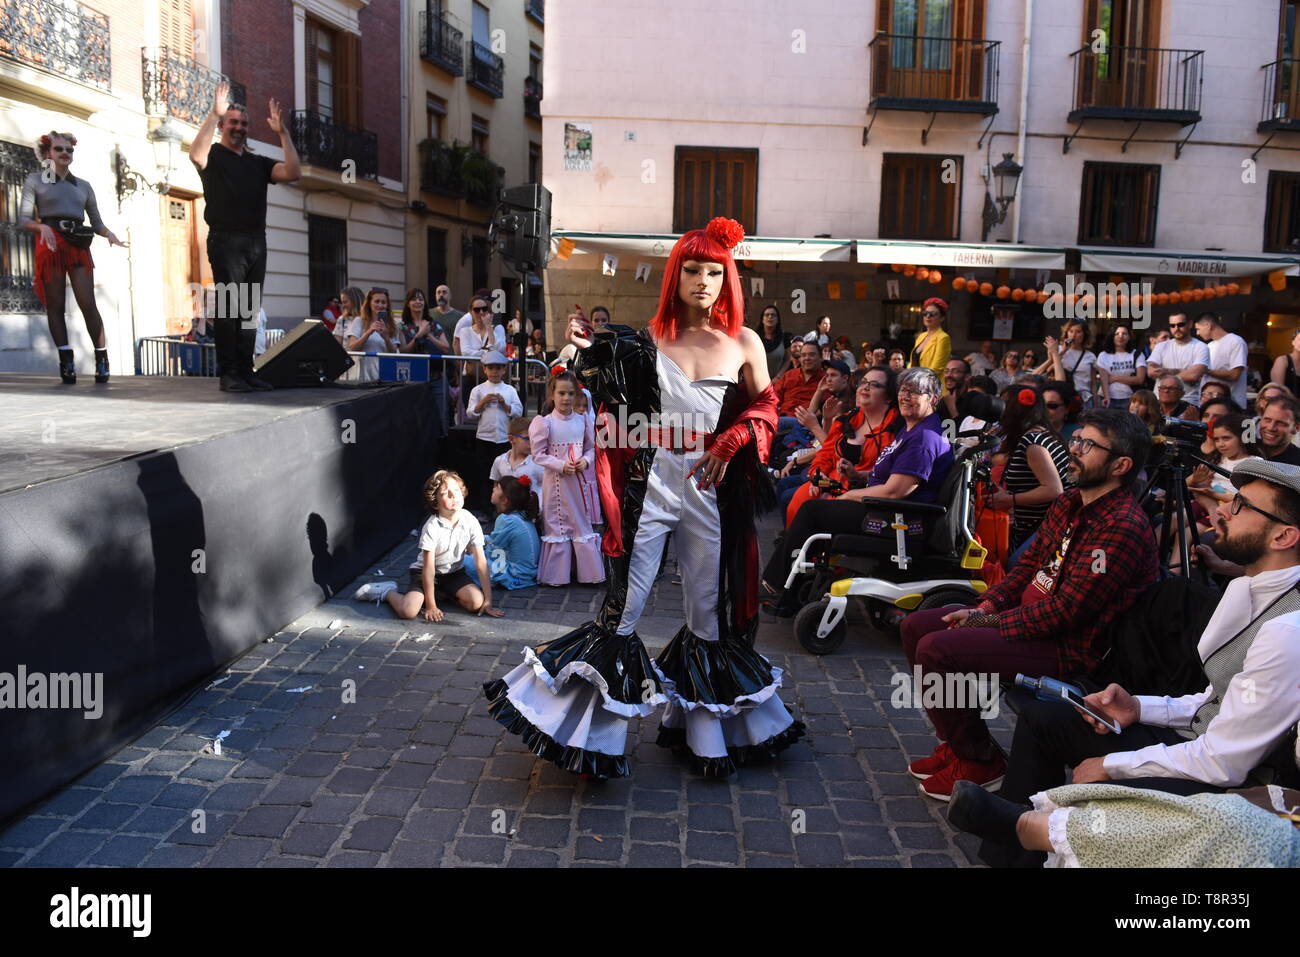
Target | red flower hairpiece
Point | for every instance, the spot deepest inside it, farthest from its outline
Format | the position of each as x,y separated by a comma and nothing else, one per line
1026,397
524,480
556,370
728,232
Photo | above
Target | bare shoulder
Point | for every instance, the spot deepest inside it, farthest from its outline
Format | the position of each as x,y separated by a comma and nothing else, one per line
749,341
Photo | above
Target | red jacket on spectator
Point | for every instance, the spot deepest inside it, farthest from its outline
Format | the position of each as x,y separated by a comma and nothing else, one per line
793,391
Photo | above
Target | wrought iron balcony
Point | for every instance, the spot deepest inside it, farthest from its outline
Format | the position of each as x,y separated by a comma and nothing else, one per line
442,44
322,142
934,74
65,39
456,169
1137,83
487,71
532,97
174,85
1281,110
536,9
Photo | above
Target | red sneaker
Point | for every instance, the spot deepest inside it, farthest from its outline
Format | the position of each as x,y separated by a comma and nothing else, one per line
922,768
987,774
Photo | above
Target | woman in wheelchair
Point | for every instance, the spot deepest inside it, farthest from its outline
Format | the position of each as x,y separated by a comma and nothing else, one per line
856,440
913,466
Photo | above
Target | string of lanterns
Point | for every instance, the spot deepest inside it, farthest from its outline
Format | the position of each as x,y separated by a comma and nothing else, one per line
1018,294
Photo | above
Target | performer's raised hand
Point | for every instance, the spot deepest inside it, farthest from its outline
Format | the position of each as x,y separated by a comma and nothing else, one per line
221,99
580,331
274,119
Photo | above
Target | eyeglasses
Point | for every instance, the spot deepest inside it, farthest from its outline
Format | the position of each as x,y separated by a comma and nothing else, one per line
480,308
1012,355
1086,445
931,313
1177,325
63,149
1169,388
868,384
1238,502
910,391
1055,405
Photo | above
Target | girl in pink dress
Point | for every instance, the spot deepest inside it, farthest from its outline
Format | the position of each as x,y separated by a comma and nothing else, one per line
564,443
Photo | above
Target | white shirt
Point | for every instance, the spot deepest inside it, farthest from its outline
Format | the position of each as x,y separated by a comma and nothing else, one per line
1080,365
1119,363
368,369
979,365
1261,705
494,421
501,466
1229,352
1175,357
448,541
471,343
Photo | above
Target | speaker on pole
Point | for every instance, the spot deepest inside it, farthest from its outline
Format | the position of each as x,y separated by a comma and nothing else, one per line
521,228
307,355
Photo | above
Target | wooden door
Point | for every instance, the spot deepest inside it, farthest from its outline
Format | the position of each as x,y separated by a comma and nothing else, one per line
927,57
180,256
1286,88
1128,71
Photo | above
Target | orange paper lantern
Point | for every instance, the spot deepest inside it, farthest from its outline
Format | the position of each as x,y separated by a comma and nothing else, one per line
986,289
936,277
896,267
909,271
1040,297
1018,295
923,274
1004,291
1209,292
959,283
1221,290
1175,298
1162,298
1233,288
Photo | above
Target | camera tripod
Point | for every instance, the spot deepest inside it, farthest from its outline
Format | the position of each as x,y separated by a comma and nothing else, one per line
1170,474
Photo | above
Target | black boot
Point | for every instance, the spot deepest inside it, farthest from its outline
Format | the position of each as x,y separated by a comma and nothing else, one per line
101,365
67,367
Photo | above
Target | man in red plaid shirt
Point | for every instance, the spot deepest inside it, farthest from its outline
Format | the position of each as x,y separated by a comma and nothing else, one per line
1094,554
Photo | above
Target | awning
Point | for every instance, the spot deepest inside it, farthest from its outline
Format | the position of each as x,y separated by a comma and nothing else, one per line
658,245
961,256
1168,262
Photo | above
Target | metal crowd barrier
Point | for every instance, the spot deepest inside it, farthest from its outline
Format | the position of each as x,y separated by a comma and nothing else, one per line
176,356
419,367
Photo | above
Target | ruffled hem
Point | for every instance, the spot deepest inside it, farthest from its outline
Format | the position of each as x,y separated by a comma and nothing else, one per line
577,760
616,665
563,539
724,677
736,757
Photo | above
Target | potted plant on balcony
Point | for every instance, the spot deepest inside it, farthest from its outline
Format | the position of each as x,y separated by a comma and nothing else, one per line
440,165
482,178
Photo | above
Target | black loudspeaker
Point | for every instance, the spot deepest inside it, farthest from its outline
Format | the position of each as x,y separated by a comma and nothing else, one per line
522,226
308,355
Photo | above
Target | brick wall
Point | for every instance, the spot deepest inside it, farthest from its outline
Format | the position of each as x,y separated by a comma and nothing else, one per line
126,37
257,51
381,81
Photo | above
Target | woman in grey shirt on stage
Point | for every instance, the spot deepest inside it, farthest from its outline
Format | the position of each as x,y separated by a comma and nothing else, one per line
54,206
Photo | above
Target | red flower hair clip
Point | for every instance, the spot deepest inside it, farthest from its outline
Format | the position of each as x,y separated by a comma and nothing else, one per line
1026,397
557,370
728,232
525,481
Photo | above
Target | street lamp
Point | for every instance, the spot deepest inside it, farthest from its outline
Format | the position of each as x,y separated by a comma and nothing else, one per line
167,140
1007,175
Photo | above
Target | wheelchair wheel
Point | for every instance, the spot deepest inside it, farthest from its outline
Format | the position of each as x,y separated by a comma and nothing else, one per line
805,629
943,597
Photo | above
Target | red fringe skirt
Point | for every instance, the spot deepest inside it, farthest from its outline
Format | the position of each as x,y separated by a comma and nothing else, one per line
55,263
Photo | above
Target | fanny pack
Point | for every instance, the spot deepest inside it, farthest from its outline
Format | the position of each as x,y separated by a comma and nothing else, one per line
77,235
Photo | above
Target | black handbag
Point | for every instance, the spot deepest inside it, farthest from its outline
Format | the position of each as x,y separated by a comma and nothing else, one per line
77,235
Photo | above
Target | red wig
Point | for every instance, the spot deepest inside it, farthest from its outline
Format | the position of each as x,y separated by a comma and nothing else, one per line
712,244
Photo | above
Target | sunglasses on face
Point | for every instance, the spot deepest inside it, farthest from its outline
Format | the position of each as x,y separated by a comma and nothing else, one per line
930,313
63,149
1055,405
1177,325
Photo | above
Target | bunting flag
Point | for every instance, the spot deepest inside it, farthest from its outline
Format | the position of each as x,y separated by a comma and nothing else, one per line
833,290
860,290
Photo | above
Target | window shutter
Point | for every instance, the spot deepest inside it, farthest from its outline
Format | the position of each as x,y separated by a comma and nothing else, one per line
312,39
176,27
348,82
883,8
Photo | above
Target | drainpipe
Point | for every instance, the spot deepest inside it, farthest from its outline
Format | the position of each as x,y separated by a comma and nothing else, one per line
1024,117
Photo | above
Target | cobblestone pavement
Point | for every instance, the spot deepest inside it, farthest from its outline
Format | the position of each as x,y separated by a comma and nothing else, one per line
414,772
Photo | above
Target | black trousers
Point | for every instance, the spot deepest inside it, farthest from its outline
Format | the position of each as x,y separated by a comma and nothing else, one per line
1051,735
239,270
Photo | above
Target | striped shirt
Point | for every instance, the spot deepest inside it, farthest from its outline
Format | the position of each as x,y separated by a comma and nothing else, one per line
1019,477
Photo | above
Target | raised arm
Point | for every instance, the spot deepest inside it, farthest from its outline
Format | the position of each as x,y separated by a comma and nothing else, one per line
202,144
287,170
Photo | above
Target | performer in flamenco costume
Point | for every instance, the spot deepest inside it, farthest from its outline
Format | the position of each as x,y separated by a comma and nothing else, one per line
687,416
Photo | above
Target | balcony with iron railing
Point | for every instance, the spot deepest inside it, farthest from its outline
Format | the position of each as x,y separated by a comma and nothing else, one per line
532,97
536,9
458,170
442,44
1281,110
1137,83
322,142
487,70
175,85
934,74
65,39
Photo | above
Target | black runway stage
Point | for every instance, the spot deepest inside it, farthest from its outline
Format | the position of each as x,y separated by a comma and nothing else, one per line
152,529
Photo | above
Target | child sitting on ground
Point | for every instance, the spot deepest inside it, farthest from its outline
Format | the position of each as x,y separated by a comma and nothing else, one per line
518,460
514,547
447,536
